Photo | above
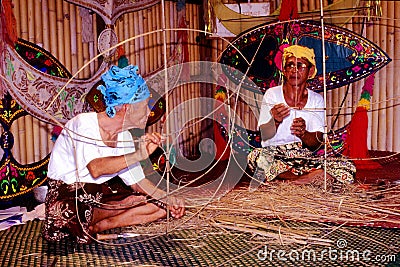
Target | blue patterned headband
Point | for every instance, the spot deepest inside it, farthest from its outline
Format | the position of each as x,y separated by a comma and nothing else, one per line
122,86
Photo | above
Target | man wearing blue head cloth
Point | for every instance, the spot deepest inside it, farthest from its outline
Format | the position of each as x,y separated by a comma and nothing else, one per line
84,197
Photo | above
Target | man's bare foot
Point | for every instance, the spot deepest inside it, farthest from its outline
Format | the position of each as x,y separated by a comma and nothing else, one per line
315,177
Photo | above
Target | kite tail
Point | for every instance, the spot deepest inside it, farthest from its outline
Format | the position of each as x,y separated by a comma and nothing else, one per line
356,143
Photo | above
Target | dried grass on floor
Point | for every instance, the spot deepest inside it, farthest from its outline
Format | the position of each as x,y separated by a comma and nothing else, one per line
266,213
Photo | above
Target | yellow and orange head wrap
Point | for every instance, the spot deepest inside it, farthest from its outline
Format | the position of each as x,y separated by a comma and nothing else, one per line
299,51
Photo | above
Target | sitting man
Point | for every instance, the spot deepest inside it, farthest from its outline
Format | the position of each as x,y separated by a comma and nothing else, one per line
291,123
84,197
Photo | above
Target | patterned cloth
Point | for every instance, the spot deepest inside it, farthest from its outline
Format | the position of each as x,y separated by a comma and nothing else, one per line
65,201
274,160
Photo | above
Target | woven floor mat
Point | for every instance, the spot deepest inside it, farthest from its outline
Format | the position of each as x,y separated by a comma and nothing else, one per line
23,246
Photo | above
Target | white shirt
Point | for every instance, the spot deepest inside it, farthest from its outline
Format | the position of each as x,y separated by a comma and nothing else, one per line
313,114
79,143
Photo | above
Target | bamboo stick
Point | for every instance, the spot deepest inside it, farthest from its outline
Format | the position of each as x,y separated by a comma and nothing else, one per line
396,83
31,21
74,38
198,122
126,35
79,44
150,44
194,119
53,27
311,5
182,119
382,113
24,19
389,6
18,16
92,47
60,32
137,40
29,145
15,149
303,5
86,58
142,48
130,51
35,139
159,40
22,140
38,23
145,49
44,138
171,41
45,26
67,35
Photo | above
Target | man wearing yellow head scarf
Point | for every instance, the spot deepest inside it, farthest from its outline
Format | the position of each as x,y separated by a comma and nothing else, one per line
292,123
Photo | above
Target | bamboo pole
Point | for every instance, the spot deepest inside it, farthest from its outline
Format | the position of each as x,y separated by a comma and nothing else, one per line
45,25
312,5
22,139
24,20
29,146
67,35
192,112
127,30
53,27
137,40
159,35
74,36
389,6
35,140
60,32
142,48
329,111
86,57
145,49
396,83
130,51
18,16
79,44
31,21
92,48
120,25
44,139
335,104
150,46
303,5
15,149
382,113
38,23
171,24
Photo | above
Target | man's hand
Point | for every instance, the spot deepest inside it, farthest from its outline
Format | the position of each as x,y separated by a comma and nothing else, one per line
148,144
298,127
176,207
279,112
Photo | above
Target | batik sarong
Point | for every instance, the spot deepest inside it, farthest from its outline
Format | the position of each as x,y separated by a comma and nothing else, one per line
274,160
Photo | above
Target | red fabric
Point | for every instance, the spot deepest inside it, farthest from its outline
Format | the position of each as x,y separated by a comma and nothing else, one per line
219,139
288,10
357,140
10,23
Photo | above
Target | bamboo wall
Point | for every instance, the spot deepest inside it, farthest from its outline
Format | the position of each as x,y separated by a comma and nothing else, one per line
56,25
